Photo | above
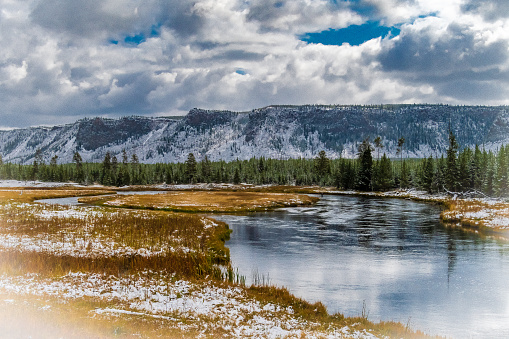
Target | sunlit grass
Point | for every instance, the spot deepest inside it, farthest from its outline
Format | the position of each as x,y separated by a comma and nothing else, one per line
207,201
44,238
479,214
149,273
31,194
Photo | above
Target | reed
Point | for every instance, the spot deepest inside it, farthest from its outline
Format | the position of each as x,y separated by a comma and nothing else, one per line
206,201
479,215
52,241
110,241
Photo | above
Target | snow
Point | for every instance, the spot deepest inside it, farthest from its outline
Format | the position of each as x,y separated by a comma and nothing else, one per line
273,132
146,294
18,183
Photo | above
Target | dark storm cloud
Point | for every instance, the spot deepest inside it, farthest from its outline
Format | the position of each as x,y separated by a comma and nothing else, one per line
490,9
457,50
128,93
266,11
239,55
182,18
80,18
469,90
295,15
455,63
91,17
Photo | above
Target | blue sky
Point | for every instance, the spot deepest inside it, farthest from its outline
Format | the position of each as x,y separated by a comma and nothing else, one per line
64,60
353,35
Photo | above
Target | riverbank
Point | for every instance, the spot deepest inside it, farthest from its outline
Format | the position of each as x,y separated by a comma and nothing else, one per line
106,269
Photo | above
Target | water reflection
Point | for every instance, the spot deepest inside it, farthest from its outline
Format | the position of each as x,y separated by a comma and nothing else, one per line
393,254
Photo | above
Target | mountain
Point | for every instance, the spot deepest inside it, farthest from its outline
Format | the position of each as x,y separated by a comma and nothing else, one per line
274,131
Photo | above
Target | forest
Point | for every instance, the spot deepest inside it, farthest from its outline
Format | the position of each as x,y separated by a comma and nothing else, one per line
466,171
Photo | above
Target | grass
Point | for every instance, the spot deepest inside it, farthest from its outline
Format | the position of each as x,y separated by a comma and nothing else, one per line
479,215
50,243
64,238
49,317
206,201
31,194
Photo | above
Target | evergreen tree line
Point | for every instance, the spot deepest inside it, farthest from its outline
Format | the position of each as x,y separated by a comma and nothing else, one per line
474,171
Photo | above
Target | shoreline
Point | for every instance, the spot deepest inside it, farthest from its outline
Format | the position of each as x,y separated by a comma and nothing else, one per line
268,297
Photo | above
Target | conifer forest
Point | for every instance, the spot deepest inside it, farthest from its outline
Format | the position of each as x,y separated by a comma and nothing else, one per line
465,171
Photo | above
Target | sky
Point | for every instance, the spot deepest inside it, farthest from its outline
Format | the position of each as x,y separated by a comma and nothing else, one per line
63,60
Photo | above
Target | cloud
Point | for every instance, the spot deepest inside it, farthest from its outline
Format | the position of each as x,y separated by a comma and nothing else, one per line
58,61
452,57
285,15
431,51
115,18
84,18
490,9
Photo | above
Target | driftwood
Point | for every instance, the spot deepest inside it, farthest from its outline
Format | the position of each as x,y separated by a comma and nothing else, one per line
467,194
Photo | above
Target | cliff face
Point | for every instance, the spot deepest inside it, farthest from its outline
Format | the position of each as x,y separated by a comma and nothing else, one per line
274,131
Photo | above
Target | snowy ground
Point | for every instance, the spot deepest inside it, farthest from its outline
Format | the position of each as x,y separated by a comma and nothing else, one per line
207,306
185,305
30,183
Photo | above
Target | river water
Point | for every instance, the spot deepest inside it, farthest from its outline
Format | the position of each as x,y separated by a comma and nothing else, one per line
392,258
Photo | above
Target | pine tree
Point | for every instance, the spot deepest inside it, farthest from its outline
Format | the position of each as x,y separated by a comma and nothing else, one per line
428,174
236,176
53,168
439,176
347,174
365,166
501,180
79,167
404,180
385,178
206,169
135,169
37,164
322,166
190,166
464,171
106,170
399,150
477,169
378,145
451,174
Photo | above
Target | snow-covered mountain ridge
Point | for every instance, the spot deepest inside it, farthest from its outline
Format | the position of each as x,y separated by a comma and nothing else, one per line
274,131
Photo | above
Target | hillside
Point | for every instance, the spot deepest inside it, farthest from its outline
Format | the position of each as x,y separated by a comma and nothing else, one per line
274,131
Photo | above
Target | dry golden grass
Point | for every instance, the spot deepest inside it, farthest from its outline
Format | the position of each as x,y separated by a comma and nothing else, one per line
110,241
209,201
478,215
201,244
31,194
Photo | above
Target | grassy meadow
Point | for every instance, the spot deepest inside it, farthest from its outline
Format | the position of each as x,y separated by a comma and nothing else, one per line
206,201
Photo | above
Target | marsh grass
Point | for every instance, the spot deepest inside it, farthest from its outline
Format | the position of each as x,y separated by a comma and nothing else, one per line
31,194
111,241
317,312
478,215
169,245
206,201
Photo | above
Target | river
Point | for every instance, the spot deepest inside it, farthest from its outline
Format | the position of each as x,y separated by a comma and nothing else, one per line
391,259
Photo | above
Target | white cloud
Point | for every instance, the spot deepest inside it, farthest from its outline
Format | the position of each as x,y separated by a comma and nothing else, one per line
57,62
